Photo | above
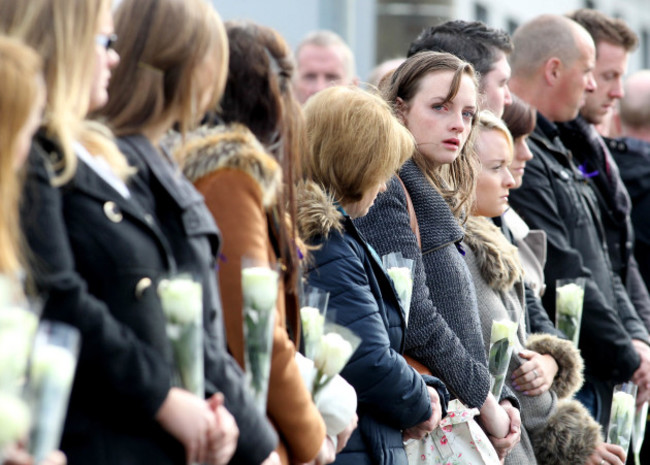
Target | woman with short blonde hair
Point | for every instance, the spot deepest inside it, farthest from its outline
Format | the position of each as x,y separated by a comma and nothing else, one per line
356,144
336,155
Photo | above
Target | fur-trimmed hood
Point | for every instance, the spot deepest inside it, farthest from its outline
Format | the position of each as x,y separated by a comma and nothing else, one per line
317,212
497,259
233,146
569,437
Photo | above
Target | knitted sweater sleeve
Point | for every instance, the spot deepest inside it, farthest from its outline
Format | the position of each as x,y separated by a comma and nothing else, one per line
429,339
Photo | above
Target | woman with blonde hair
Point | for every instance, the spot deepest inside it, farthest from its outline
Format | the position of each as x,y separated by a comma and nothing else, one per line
21,105
556,427
356,145
435,95
173,67
97,255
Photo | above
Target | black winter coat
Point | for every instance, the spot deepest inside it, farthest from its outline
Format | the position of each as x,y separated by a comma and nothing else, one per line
588,148
556,197
391,395
97,257
194,239
633,159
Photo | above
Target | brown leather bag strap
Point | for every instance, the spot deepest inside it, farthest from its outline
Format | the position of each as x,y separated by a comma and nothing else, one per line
419,367
411,210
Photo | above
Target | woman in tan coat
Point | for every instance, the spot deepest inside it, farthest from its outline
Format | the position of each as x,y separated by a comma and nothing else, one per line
243,188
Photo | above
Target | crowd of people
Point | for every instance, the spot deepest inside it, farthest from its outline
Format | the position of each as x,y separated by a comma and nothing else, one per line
152,139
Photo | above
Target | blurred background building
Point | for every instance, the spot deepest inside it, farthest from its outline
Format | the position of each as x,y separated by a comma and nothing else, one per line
377,30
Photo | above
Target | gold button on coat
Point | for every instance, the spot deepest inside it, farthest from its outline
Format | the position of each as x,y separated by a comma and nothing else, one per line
112,212
142,286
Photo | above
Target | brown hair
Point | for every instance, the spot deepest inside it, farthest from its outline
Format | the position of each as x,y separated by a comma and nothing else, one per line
260,96
520,117
162,44
603,28
356,143
456,181
22,82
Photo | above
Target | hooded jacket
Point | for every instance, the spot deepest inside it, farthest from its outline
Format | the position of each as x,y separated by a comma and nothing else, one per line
239,181
557,429
391,395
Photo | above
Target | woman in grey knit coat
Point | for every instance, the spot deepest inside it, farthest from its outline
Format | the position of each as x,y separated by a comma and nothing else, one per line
435,95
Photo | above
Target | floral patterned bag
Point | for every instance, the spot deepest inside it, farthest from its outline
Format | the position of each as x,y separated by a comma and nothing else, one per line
458,440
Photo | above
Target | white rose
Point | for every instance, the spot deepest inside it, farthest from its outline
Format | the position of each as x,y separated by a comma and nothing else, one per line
502,329
52,364
623,404
402,280
569,299
181,299
312,321
259,287
333,353
14,419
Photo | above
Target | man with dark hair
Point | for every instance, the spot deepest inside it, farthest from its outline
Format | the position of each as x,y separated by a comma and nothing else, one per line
487,49
552,64
614,41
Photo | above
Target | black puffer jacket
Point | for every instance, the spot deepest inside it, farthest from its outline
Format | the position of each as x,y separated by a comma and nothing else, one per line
557,198
391,395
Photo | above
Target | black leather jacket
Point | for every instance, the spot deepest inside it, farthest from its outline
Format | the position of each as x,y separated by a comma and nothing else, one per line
557,198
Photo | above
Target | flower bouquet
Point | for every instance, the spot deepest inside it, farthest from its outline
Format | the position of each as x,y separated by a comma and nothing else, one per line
260,294
621,419
400,270
638,431
51,374
312,317
502,340
182,303
569,297
334,351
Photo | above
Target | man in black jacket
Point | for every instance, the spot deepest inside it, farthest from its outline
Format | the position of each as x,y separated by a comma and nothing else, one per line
552,68
614,41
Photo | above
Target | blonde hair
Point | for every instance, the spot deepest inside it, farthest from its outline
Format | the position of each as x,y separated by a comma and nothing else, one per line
456,181
63,33
487,121
162,44
21,78
355,141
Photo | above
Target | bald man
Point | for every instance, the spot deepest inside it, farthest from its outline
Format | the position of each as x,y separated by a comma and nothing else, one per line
552,69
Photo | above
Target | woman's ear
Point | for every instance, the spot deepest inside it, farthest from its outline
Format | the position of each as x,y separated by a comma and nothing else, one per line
401,108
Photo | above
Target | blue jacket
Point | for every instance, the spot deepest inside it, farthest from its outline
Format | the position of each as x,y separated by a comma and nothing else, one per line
392,396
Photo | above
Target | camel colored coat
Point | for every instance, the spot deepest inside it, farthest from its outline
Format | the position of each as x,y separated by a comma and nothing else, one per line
239,181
